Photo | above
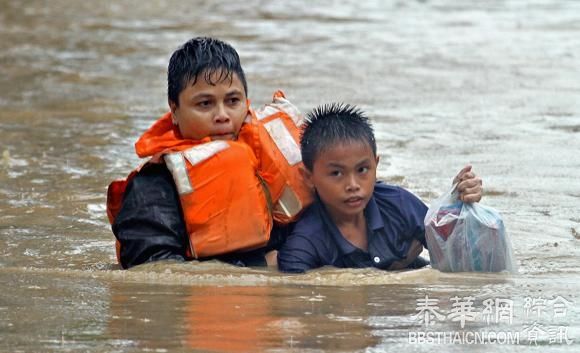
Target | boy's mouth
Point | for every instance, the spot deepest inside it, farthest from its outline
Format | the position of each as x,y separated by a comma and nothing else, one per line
354,201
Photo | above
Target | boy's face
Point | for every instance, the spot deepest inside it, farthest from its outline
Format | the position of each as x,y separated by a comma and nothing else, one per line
344,176
206,110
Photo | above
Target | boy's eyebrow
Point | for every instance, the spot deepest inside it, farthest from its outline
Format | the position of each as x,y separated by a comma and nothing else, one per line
339,165
363,161
335,165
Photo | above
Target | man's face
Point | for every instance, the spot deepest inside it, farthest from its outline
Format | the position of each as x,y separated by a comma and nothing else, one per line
344,176
215,111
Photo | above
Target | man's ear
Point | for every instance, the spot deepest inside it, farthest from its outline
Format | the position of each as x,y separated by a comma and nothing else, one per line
172,105
307,176
173,108
377,160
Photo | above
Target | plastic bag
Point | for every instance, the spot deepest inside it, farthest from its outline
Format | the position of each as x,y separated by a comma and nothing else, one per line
467,237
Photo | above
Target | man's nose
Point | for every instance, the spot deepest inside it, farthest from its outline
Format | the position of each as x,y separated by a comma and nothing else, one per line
221,115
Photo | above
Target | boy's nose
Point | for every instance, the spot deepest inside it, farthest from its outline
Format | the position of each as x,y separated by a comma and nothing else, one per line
352,184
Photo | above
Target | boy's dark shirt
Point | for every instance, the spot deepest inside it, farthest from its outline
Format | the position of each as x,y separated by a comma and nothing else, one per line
150,224
394,218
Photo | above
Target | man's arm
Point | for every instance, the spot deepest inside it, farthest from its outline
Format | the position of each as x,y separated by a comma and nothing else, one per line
150,225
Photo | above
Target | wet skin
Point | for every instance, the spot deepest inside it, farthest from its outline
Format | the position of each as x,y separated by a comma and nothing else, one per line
211,110
344,177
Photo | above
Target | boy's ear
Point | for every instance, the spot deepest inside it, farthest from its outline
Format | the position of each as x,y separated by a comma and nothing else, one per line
307,176
377,160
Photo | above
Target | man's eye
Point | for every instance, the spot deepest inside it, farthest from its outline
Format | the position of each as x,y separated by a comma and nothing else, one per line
234,101
363,170
336,173
206,103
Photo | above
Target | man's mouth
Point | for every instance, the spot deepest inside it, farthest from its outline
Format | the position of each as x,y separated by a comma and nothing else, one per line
223,136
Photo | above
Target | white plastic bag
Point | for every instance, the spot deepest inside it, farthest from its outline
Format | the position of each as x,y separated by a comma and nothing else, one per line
467,237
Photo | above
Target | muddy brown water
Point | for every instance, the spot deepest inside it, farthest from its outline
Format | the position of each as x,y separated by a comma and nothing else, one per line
495,84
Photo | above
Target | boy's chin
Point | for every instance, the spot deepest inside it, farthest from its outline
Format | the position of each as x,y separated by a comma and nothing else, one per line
353,211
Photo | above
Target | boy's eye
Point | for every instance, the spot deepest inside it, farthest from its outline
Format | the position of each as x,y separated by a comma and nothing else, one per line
336,173
363,170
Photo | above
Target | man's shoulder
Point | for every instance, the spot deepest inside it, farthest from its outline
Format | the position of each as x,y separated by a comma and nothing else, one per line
153,170
151,183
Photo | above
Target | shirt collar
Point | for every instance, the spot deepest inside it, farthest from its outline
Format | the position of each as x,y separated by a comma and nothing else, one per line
373,215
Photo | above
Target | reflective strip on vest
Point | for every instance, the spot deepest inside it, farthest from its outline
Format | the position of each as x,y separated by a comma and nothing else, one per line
176,162
176,165
290,109
284,141
202,152
283,105
266,111
289,204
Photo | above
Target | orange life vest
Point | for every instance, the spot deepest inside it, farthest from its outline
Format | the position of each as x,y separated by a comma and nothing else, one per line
229,190
273,133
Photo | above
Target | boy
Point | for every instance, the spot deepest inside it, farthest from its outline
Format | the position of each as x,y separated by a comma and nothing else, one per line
355,221
205,192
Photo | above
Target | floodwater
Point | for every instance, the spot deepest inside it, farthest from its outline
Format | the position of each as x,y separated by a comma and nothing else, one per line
491,83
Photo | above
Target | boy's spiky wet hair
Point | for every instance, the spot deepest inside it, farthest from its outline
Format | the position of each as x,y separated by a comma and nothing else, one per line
202,56
331,124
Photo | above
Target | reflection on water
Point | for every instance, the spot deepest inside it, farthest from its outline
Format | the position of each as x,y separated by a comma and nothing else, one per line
92,309
490,83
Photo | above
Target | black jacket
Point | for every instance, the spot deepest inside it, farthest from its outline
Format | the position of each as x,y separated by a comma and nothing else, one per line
150,224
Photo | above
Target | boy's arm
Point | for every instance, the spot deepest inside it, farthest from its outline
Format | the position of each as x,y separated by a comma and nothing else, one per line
297,255
149,225
469,185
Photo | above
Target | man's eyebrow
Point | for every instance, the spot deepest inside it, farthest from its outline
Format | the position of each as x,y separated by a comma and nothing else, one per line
201,95
234,92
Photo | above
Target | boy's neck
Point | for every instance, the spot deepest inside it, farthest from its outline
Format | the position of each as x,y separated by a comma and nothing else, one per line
354,230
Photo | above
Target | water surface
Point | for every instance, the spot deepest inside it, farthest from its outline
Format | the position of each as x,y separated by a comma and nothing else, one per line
494,84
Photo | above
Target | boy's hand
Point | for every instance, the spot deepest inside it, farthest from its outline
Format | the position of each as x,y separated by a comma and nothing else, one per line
272,258
469,186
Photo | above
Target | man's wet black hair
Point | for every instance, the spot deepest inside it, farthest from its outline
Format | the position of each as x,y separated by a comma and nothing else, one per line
202,56
331,124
